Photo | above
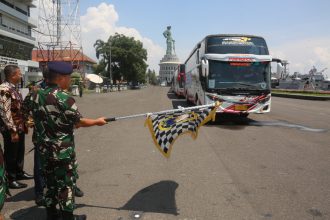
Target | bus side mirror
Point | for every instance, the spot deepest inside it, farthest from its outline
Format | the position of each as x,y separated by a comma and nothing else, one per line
279,69
205,67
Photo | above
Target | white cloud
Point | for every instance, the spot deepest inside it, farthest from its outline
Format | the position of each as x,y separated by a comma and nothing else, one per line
100,22
304,54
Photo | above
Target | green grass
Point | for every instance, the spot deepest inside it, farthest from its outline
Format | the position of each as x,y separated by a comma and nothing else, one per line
302,92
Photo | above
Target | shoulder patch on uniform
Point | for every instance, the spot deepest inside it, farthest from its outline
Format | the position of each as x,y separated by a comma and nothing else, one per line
50,99
70,101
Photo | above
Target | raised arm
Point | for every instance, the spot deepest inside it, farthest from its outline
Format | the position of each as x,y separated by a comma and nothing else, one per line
87,122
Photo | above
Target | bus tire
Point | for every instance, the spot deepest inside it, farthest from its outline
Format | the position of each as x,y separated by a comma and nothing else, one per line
187,99
244,115
196,99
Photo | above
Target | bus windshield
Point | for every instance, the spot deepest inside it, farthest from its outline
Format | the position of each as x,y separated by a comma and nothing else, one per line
239,75
236,45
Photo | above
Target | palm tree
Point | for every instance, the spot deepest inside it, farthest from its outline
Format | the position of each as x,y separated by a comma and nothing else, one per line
103,50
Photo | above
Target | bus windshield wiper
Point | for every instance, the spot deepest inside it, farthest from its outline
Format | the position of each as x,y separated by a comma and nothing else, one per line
246,84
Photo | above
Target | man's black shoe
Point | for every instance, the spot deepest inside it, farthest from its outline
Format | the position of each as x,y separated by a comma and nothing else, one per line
70,216
16,185
40,200
24,176
53,213
78,192
79,217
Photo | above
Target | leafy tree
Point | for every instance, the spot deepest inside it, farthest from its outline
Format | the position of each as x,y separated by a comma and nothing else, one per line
100,69
75,78
152,79
128,58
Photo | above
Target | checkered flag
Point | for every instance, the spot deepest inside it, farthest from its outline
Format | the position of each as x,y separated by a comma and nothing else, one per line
167,127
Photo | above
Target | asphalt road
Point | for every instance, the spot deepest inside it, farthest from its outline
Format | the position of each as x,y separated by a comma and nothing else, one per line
271,166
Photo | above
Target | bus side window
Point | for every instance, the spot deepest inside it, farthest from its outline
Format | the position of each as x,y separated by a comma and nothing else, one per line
197,57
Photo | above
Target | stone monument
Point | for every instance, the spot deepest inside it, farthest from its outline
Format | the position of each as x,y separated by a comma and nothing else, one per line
170,61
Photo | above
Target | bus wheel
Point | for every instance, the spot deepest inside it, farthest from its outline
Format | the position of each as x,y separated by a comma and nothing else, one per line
187,99
196,100
244,115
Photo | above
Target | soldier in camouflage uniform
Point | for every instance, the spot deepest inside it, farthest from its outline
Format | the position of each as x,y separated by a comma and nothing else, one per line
39,182
55,116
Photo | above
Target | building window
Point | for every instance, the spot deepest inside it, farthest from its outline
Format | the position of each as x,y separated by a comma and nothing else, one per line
13,6
15,49
7,3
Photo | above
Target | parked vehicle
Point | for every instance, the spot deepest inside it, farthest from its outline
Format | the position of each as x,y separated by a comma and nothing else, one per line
234,69
179,80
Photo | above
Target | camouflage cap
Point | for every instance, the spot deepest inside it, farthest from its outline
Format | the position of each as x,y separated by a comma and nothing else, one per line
60,67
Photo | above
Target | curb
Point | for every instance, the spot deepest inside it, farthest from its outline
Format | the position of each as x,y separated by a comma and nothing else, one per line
294,96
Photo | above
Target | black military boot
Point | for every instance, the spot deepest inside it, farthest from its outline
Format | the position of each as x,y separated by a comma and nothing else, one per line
40,200
78,192
52,213
70,216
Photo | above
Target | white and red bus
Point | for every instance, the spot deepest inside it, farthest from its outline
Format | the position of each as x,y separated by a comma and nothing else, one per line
178,81
234,69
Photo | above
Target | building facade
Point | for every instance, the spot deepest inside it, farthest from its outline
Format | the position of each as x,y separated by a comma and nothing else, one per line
167,66
81,63
16,40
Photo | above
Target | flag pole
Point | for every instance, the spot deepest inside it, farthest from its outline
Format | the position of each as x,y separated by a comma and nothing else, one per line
180,109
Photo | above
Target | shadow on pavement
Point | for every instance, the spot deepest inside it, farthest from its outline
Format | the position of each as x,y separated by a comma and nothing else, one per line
171,95
236,122
31,213
26,195
177,101
156,198
231,122
159,198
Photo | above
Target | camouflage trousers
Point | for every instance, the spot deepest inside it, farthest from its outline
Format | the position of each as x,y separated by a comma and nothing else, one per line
60,181
3,182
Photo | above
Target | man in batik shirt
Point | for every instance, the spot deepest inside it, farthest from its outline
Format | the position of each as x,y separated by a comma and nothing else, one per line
13,127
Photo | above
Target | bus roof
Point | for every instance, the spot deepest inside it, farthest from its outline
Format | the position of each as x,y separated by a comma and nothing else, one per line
219,35
231,35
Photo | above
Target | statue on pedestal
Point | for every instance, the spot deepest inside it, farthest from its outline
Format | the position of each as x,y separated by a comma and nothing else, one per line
170,50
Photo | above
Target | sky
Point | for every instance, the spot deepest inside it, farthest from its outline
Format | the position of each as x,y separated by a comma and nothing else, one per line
295,30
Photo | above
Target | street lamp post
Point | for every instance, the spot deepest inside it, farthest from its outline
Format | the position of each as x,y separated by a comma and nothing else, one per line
110,73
